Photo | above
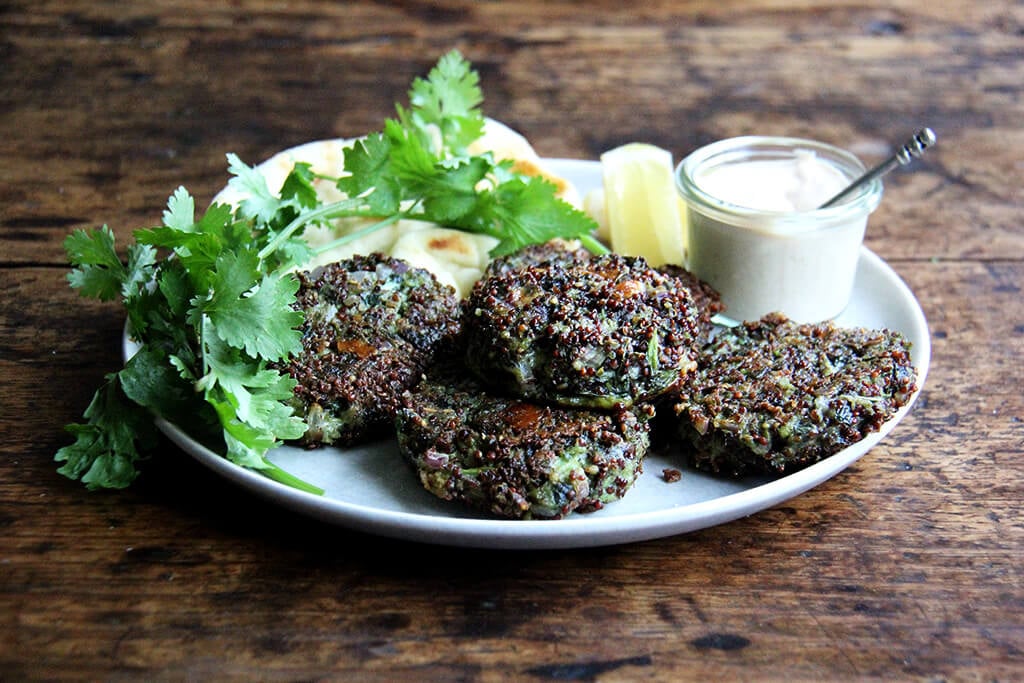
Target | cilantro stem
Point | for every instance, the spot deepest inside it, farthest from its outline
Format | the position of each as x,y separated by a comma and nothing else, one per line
593,246
333,210
274,472
362,232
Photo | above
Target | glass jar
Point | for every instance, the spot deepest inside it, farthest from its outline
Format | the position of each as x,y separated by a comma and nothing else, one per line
798,260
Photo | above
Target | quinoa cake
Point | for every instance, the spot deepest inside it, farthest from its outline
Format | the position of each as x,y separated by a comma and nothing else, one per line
707,300
601,332
513,458
556,251
372,326
773,396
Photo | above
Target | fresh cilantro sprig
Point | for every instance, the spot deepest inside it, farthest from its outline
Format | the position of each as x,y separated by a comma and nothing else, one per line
213,317
447,102
418,167
210,299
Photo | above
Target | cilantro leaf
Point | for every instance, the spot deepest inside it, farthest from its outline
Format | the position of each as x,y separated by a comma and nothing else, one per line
411,158
449,192
368,164
255,317
180,213
259,203
174,286
93,248
106,447
452,89
254,391
298,186
151,381
528,212
97,272
449,99
139,270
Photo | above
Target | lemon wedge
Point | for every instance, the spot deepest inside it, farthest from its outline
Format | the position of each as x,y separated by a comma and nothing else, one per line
641,205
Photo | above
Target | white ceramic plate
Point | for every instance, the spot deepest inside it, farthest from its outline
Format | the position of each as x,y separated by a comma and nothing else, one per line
372,489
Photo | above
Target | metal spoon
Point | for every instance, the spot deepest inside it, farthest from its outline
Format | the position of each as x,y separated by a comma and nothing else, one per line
913,147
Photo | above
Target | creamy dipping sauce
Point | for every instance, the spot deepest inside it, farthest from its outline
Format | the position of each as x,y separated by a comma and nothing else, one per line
755,234
800,183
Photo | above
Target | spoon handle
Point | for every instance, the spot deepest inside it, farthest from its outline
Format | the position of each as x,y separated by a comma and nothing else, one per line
914,147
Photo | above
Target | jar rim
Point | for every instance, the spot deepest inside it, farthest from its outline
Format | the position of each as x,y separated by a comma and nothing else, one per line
730,150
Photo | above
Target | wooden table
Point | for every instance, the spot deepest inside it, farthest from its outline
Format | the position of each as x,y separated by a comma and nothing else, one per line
908,565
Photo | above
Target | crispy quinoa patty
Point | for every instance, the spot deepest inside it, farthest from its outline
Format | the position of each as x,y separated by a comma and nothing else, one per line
609,331
773,396
556,251
514,458
372,326
706,298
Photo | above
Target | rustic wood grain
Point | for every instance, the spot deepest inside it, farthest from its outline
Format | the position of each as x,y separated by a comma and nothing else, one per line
907,566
